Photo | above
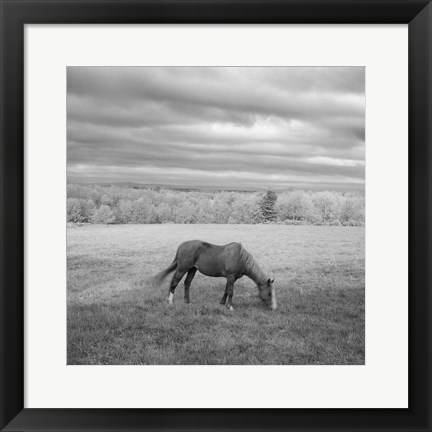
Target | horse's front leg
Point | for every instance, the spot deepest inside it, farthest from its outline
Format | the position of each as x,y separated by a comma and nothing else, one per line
229,290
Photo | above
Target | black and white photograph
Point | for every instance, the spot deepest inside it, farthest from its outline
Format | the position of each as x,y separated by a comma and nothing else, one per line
215,215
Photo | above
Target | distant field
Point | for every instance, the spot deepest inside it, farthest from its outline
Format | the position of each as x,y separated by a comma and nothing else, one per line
114,317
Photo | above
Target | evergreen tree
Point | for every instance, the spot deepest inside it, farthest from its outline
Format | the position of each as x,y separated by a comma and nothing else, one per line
267,206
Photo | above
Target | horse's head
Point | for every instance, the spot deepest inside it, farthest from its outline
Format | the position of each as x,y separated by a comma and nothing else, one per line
267,293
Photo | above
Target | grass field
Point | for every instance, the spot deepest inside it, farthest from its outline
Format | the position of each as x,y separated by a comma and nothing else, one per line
114,317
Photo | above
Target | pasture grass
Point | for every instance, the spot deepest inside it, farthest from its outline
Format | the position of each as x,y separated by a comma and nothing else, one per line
115,317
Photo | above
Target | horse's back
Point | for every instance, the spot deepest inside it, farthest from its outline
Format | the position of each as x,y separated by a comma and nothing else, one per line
196,244
208,258
190,244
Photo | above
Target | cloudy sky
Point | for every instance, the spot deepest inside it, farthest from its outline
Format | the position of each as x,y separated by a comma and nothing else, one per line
255,127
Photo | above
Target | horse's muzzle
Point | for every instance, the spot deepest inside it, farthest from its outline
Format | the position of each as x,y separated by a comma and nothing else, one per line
270,303
273,301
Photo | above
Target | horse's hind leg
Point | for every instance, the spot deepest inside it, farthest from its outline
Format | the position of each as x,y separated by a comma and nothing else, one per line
174,282
188,281
230,288
224,297
229,291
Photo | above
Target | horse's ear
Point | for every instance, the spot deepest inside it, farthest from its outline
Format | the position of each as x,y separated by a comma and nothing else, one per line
272,281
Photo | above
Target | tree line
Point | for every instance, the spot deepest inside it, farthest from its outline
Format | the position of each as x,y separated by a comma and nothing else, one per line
123,205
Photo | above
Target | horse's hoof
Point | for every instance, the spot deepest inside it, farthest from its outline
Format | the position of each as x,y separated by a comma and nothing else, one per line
170,298
187,301
230,308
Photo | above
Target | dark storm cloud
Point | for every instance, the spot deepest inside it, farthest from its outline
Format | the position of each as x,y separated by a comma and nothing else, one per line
254,127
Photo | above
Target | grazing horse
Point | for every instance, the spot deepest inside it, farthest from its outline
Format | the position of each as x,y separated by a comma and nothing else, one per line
231,261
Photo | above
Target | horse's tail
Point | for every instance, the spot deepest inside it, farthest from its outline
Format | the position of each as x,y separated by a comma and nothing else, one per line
159,278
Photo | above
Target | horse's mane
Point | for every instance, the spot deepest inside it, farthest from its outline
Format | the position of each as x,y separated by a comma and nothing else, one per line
252,269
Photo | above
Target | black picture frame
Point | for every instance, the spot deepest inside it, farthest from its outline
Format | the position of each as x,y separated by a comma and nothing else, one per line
15,14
